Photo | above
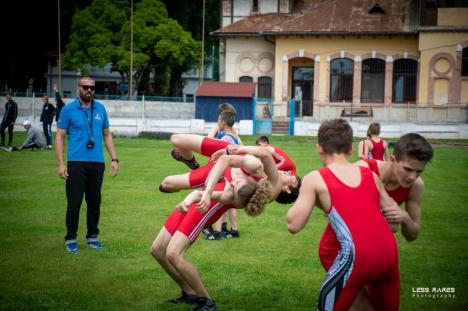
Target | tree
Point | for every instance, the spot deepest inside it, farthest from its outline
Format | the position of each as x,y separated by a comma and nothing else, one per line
189,14
101,35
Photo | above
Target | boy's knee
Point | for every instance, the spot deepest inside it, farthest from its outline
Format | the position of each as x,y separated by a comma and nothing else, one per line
166,185
175,139
157,251
173,256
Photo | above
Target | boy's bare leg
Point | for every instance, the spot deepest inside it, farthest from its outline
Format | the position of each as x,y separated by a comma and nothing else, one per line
186,144
159,252
175,183
175,253
233,217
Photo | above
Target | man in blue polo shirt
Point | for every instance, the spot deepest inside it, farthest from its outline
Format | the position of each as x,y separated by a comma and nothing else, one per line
86,123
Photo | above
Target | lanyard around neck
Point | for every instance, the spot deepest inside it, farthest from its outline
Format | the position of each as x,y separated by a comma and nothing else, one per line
88,121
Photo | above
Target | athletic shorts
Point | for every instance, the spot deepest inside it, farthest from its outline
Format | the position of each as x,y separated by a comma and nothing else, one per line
211,145
192,223
198,176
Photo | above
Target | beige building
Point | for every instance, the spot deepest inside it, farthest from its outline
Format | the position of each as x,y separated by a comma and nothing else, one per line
386,60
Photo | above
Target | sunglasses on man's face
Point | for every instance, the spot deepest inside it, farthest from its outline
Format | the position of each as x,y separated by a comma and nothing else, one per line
87,87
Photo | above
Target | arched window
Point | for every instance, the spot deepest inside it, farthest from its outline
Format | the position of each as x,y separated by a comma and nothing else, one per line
264,87
404,80
245,79
464,71
373,80
341,79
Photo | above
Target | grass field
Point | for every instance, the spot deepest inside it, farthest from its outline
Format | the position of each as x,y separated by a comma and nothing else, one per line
266,269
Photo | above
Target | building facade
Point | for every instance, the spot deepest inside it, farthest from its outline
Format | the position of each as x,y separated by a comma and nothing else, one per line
392,60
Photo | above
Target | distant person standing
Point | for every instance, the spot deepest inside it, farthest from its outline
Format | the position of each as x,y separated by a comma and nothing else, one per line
47,117
85,122
9,119
59,103
378,146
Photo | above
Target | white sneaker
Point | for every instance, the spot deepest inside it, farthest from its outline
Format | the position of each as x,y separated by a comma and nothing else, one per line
49,147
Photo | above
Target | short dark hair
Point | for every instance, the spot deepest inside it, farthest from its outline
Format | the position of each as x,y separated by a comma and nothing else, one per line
374,129
84,78
226,106
335,136
286,198
228,117
262,139
413,146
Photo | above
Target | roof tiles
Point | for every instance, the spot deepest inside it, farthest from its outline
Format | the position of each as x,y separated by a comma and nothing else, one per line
327,16
227,89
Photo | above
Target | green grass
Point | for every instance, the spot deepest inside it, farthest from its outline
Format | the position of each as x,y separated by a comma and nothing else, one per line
266,269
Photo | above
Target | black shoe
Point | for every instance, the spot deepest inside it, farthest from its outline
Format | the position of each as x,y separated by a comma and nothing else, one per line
192,164
208,230
234,233
215,235
226,234
205,304
184,298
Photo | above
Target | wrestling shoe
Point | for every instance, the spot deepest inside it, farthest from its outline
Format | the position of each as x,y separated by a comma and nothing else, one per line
225,232
205,304
235,233
207,230
71,246
184,298
215,235
191,164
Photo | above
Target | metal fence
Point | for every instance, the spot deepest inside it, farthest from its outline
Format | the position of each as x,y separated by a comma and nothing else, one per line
141,107
138,98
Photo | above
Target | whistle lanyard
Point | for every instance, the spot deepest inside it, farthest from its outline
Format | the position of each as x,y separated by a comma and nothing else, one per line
89,121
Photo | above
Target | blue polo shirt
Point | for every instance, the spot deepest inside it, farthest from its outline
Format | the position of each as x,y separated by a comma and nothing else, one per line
77,122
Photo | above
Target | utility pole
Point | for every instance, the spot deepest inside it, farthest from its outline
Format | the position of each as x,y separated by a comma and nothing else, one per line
130,86
59,84
202,67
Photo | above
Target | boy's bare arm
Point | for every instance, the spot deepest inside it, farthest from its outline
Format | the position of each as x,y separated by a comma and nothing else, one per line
410,226
366,150
213,132
216,172
386,204
298,215
269,166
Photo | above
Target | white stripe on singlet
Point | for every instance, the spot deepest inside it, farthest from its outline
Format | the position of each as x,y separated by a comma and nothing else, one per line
341,269
199,227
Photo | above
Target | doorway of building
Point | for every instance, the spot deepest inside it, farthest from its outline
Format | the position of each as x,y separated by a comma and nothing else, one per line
303,84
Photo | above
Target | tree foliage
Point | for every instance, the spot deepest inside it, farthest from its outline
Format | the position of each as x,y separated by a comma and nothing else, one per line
101,35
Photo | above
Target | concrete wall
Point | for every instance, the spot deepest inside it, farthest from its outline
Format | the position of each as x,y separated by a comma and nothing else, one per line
394,113
132,118
394,130
32,106
132,127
